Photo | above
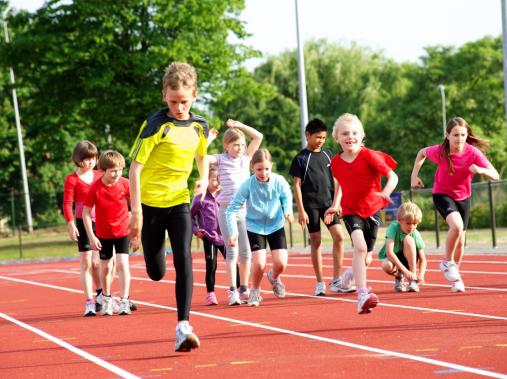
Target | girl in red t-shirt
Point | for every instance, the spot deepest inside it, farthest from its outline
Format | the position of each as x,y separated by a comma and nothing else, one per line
358,171
75,190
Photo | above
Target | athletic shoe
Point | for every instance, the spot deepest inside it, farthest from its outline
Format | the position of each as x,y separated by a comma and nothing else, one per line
320,289
413,286
107,306
186,340
276,284
98,302
243,296
133,306
458,286
399,284
234,297
337,286
211,298
89,309
366,302
124,307
116,305
255,298
450,270
348,279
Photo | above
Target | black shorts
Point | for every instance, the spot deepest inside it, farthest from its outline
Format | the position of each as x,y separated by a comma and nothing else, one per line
369,226
403,259
121,246
83,243
314,217
276,240
446,205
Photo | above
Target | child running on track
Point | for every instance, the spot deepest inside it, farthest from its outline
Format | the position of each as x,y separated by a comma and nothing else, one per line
205,226
459,157
109,195
317,199
403,250
268,200
358,171
76,187
233,170
162,160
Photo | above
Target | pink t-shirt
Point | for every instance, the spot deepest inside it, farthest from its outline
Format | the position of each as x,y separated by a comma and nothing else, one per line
459,184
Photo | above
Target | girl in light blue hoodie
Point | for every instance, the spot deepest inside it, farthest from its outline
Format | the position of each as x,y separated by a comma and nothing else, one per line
268,200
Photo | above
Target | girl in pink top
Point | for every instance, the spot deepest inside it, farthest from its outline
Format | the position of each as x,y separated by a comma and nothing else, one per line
459,157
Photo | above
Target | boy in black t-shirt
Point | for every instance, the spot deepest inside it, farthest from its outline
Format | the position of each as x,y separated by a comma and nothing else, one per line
317,198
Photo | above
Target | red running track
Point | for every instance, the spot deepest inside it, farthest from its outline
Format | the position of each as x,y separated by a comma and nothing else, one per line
431,334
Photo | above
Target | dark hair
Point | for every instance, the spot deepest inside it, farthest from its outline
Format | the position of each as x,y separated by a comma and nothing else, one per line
83,150
472,139
315,126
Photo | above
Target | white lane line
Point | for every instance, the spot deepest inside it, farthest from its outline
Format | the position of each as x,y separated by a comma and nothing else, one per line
108,366
294,333
328,257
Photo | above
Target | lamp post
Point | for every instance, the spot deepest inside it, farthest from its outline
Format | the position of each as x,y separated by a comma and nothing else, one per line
26,193
441,88
302,81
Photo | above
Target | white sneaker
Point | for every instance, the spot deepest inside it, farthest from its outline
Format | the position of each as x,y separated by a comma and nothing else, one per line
320,289
450,270
348,279
186,340
255,298
234,297
458,286
399,284
89,309
413,286
366,302
277,285
337,286
124,308
98,302
107,306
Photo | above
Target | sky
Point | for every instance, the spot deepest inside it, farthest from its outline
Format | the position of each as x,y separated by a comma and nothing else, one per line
399,28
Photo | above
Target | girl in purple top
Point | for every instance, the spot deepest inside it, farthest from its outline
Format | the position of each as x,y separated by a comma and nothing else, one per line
459,157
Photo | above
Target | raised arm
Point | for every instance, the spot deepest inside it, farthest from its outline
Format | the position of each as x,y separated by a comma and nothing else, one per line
256,136
415,181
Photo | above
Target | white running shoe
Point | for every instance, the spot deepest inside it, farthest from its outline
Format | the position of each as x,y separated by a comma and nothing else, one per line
277,285
243,296
124,308
320,289
458,286
366,302
107,306
186,339
255,298
89,309
413,286
234,297
450,270
348,279
338,287
399,284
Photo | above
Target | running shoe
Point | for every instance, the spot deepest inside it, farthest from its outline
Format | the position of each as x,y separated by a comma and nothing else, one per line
399,284
124,307
348,279
338,287
450,270
89,308
413,286
366,302
244,295
276,284
320,289
107,306
186,339
255,298
211,298
98,302
234,297
133,306
458,286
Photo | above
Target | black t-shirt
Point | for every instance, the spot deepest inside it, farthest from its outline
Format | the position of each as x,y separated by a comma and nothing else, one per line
314,169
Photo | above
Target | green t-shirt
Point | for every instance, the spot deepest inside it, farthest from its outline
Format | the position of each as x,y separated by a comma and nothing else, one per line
394,232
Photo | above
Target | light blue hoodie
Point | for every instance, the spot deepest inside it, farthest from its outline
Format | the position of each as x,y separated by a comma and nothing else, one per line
267,203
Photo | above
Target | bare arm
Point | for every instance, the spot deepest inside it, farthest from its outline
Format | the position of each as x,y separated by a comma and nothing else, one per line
392,181
136,214
335,206
87,221
422,266
203,168
415,181
298,196
394,259
490,172
257,136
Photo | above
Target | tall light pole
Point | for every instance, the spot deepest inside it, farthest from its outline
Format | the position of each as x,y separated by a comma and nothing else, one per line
504,45
303,112
441,88
20,138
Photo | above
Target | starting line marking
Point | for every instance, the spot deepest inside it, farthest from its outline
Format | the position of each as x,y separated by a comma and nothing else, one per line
108,366
125,374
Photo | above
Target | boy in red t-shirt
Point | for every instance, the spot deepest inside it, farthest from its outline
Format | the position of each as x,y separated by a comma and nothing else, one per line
358,171
109,195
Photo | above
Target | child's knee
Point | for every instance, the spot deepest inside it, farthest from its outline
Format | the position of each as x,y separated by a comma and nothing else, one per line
388,267
315,239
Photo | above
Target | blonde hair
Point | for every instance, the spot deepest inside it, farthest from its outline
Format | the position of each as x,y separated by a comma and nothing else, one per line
347,118
232,135
409,212
84,150
261,155
109,159
179,75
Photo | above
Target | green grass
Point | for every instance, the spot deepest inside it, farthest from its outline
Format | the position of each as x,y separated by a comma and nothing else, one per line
54,242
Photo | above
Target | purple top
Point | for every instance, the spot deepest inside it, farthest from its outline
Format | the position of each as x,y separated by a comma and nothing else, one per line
205,216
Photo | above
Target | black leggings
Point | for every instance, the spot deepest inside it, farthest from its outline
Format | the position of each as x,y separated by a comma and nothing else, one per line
176,220
210,254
